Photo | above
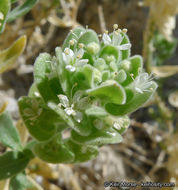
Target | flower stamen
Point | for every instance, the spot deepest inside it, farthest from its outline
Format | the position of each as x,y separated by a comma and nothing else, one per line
125,30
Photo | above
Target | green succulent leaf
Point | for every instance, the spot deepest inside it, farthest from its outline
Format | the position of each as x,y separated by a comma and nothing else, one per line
137,100
38,118
33,91
100,64
46,78
110,91
83,128
63,74
97,137
132,66
20,182
121,76
109,53
105,75
82,153
96,111
84,77
54,151
87,37
21,10
125,53
8,133
12,163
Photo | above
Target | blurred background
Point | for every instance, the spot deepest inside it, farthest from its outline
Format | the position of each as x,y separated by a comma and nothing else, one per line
149,151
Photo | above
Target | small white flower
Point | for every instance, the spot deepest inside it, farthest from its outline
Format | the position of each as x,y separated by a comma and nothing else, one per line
143,82
79,53
70,111
106,39
64,102
68,55
73,59
116,40
70,68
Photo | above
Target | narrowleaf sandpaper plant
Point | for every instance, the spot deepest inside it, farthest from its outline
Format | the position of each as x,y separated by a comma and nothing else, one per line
88,88
80,100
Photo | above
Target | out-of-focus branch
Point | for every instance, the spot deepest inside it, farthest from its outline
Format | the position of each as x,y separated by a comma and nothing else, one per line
148,49
101,18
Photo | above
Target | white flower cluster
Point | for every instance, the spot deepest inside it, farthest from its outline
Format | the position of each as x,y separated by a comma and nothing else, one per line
73,59
143,82
116,38
69,109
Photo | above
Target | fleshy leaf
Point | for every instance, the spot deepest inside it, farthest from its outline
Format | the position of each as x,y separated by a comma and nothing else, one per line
8,132
132,66
20,182
12,163
21,10
83,128
45,81
121,76
137,100
82,153
39,119
125,53
10,55
33,91
88,72
96,111
83,77
63,74
97,137
105,75
109,53
88,37
100,64
110,91
54,151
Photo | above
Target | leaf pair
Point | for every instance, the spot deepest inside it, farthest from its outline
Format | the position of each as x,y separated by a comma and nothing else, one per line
58,151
